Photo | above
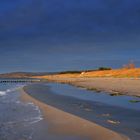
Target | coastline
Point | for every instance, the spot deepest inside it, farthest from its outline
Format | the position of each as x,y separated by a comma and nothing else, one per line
63,123
116,86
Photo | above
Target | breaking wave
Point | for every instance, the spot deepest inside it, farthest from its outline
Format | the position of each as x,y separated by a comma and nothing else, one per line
2,93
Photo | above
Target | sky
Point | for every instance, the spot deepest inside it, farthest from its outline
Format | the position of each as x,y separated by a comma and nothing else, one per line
52,35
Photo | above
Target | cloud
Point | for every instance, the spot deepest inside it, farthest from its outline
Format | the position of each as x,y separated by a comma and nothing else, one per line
71,19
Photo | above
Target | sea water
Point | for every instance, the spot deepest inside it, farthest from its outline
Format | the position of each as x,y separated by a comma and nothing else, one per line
17,119
23,120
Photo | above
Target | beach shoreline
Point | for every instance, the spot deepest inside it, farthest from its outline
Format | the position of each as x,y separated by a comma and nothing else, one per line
114,86
63,123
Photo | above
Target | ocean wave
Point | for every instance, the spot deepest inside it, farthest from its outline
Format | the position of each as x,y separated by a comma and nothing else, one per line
2,93
36,119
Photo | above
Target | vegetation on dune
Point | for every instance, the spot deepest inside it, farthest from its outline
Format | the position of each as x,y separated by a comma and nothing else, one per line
80,71
130,65
115,73
70,72
104,68
128,71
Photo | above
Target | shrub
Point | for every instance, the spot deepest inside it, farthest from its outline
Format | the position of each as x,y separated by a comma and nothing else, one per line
105,68
130,65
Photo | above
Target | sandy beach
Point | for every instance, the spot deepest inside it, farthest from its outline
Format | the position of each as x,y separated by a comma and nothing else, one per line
63,123
127,86
120,81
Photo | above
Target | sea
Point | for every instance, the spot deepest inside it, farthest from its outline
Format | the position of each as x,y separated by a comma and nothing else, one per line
17,118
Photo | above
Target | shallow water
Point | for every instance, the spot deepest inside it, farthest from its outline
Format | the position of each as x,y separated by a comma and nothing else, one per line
121,101
113,112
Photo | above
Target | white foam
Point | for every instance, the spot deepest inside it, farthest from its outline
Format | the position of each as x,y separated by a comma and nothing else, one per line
33,120
36,119
2,93
11,90
18,102
30,103
8,90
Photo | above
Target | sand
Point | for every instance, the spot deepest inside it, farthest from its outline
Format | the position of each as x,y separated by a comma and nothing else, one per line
63,123
127,86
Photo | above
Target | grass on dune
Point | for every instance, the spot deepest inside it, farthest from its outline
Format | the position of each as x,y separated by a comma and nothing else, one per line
116,73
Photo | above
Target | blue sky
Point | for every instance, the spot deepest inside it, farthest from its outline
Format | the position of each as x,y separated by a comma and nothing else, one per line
52,35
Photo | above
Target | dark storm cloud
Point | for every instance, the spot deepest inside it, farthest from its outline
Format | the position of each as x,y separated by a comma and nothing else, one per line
69,17
52,35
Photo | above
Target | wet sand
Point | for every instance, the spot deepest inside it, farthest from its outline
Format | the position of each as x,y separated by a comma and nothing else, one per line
127,86
66,124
